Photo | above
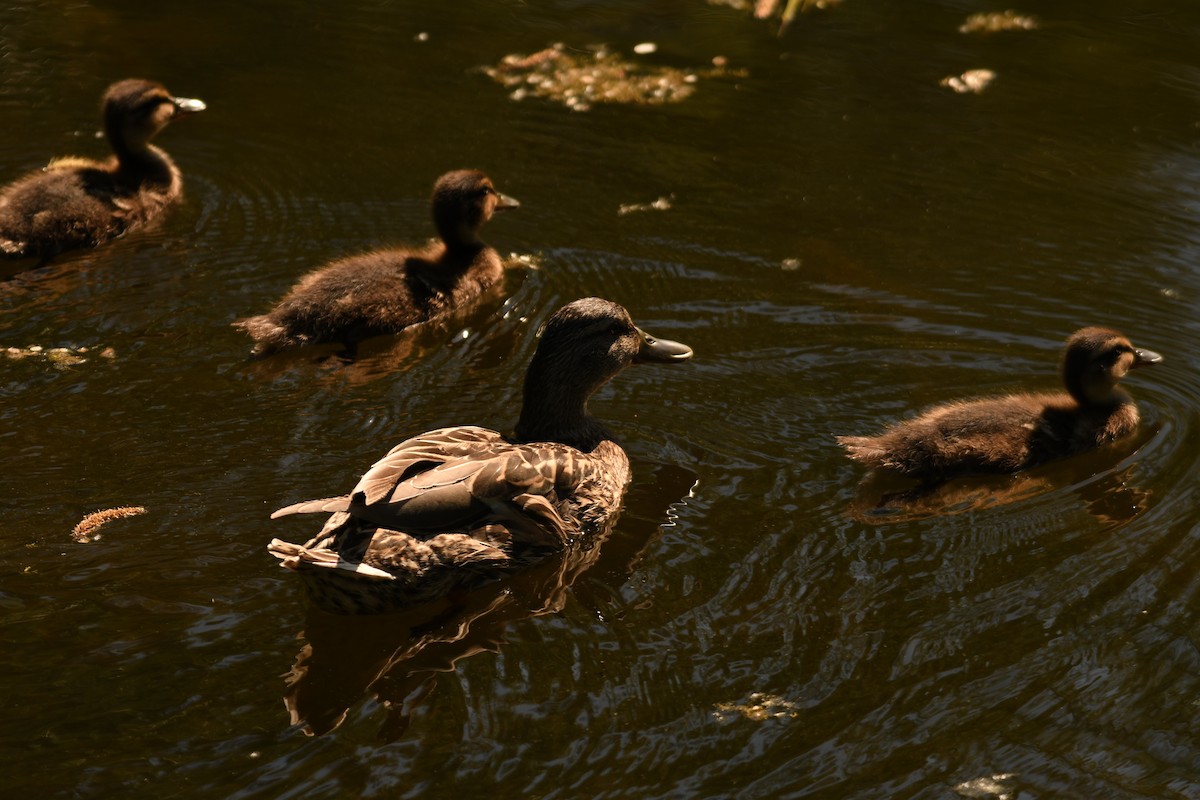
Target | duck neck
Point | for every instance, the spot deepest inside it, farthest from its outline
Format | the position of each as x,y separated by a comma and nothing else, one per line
458,236
138,157
553,411
1095,394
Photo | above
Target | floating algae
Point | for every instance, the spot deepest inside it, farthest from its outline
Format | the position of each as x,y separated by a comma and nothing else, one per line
994,787
759,707
581,78
661,204
997,21
61,357
973,81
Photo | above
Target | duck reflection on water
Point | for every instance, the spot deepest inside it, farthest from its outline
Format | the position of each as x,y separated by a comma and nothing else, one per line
398,657
1102,480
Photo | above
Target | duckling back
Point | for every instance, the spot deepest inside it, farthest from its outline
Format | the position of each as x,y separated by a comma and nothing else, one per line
380,292
59,209
1006,434
77,204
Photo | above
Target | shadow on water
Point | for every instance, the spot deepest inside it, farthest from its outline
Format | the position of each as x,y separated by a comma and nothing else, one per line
398,657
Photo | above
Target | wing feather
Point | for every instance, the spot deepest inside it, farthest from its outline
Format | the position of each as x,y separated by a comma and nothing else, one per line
463,479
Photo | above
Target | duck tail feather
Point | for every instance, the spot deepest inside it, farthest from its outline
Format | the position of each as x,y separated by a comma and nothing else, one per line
864,449
268,335
297,557
325,505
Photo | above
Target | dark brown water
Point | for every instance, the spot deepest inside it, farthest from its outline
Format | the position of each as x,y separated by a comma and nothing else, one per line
847,241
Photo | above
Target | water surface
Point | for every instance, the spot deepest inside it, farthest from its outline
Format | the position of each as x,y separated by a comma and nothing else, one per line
846,241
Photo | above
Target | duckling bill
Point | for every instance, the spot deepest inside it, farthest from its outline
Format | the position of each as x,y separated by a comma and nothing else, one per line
1008,434
76,202
459,506
386,291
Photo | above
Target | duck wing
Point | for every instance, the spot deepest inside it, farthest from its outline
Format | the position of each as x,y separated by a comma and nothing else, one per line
409,457
480,480
464,479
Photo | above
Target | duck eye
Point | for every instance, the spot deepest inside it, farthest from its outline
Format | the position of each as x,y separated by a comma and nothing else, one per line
147,106
617,329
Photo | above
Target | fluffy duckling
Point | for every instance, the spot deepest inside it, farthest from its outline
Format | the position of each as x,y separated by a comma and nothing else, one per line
1007,434
385,291
459,506
77,202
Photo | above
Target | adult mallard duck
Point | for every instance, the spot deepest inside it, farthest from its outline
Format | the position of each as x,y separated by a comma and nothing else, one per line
386,291
459,506
1008,434
76,202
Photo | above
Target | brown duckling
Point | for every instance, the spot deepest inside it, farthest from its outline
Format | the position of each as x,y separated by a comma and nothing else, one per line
385,291
77,202
456,507
1007,434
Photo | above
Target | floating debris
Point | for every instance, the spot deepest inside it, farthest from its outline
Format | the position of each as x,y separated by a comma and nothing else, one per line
759,707
84,532
58,356
645,48
787,10
997,21
996,787
973,81
661,204
765,8
791,264
581,78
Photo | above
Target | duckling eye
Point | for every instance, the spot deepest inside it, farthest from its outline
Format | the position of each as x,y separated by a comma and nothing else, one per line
146,106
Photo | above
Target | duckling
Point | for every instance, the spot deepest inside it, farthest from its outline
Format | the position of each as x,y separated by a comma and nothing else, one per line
386,291
76,202
1008,434
459,506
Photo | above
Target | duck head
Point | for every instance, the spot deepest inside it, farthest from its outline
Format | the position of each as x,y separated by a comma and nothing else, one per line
136,110
463,202
583,346
1095,361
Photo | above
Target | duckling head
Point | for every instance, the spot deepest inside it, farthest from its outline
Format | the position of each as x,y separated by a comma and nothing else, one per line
583,346
135,110
463,202
1095,361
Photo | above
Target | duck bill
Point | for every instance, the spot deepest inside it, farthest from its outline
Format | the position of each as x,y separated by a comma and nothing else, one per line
1145,358
504,202
185,106
660,351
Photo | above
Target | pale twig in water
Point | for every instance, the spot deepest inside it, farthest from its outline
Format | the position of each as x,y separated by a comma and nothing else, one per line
83,532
